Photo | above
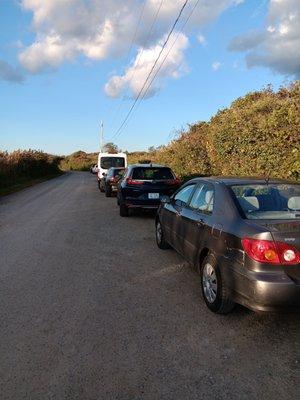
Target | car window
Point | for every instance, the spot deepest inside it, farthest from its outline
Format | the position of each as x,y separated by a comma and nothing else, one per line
268,200
182,197
118,172
152,173
108,162
203,198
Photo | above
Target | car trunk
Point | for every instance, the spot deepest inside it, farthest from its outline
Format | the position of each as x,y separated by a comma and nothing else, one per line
151,189
288,232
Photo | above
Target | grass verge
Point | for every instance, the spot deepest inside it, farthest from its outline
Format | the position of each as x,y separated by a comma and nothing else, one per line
23,183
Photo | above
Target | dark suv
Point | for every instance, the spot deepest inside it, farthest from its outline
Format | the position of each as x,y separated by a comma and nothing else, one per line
110,181
143,185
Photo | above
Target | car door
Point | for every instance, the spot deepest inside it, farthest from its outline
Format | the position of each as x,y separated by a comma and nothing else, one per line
197,220
172,216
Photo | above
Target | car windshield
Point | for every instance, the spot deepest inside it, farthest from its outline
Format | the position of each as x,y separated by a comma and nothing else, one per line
269,201
108,162
152,173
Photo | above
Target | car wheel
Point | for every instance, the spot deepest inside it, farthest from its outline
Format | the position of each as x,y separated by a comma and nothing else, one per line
160,237
124,211
215,293
107,191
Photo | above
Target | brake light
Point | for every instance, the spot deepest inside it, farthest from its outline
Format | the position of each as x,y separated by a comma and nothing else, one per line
133,182
173,181
268,251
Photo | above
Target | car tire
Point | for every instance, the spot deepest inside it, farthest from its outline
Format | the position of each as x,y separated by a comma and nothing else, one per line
124,211
107,191
101,188
160,237
214,290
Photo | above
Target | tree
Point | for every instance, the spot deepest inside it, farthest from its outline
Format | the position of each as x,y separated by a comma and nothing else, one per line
111,148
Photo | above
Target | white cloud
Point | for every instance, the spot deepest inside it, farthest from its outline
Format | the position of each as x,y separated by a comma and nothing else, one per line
216,65
135,76
278,46
201,39
101,29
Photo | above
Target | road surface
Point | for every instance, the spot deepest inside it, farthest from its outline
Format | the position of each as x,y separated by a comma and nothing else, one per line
91,309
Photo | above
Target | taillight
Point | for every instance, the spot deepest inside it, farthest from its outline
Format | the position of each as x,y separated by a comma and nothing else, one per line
268,251
173,181
133,182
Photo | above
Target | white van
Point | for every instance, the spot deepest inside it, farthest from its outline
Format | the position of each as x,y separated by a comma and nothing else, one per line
108,160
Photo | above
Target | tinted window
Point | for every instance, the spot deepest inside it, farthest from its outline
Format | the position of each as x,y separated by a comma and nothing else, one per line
118,172
184,194
152,173
108,162
269,201
203,198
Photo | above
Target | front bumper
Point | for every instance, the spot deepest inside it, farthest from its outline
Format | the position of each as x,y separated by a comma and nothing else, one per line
262,291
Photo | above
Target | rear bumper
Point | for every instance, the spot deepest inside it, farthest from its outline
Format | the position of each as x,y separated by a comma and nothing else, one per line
137,203
261,291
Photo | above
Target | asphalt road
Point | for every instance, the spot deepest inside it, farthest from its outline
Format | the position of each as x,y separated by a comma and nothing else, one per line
90,308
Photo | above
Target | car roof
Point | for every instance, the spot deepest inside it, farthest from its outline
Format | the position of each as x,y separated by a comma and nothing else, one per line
117,168
237,180
148,166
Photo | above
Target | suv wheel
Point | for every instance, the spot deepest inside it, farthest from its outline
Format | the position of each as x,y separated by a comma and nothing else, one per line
215,293
124,211
160,237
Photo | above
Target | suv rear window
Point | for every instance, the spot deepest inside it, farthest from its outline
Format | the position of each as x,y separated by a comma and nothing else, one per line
152,173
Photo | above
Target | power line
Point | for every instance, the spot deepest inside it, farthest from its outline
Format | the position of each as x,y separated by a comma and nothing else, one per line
140,54
153,66
170,49
131,47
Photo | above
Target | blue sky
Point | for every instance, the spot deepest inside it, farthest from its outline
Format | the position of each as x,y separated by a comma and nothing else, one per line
54,100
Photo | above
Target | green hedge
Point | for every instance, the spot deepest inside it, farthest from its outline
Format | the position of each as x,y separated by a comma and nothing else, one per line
259,134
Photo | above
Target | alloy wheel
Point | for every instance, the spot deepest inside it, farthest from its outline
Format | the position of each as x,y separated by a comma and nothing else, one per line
209,283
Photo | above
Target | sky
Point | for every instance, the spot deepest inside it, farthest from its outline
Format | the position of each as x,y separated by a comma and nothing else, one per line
66,65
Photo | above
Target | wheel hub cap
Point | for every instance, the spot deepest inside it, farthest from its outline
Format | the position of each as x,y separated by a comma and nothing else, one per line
209,282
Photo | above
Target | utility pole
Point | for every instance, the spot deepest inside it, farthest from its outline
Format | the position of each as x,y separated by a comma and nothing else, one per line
101,137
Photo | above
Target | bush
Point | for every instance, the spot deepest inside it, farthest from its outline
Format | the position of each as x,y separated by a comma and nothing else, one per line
79,161
257,135
26,165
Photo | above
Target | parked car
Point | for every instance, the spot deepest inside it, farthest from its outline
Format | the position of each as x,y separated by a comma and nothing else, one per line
106,161
243,237
143,185
110,181
94,169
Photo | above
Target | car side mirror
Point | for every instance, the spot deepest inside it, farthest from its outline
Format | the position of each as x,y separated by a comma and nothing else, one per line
165,200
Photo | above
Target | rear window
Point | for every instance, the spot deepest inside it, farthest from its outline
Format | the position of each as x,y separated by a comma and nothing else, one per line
108,162
269,201
118,172
152,173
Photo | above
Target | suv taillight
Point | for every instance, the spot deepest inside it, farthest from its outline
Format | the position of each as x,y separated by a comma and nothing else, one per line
268,251
133,182
175,181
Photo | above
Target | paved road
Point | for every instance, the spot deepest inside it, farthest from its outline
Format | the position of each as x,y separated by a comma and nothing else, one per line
91,309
